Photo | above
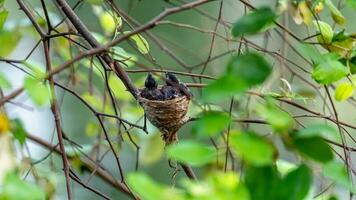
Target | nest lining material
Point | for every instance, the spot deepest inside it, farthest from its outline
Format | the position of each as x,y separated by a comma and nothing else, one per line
168,116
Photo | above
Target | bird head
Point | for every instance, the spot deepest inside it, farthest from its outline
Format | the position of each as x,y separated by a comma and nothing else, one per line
150,82
171,79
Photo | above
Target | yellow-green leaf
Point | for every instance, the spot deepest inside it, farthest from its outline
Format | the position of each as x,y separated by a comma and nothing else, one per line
141,43
344,91
325,30
110,22
335,13
8,42
38,91
4,83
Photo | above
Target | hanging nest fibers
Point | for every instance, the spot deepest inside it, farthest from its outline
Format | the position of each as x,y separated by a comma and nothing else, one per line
168,116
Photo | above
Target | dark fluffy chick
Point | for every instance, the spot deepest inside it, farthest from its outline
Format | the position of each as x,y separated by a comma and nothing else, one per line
151,91
174,88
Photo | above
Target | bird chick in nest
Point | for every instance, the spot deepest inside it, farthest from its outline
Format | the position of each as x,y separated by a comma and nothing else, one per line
151,90
174,88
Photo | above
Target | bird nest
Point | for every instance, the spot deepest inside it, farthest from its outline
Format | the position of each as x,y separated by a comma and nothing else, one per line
168,116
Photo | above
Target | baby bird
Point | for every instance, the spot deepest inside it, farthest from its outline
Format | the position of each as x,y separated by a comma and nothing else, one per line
151,91
179,88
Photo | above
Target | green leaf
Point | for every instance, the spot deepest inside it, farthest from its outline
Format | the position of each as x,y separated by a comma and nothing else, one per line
242,72
19,131
310,52
253,22
321,130
148,189
38,91
335,13
225,86
95,2
315,148
253,148
251,68
325,30
3,17
295,186
4,83
16,189
193,153
329,72
351,3
109,22
8,41
336,171
37,71
119,53
119,89
284,167
211,123
280,120
262,182
141,42
344,91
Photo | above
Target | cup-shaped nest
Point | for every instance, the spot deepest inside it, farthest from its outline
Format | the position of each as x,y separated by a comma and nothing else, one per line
168,116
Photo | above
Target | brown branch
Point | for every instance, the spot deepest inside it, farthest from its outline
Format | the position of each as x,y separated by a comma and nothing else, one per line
92,166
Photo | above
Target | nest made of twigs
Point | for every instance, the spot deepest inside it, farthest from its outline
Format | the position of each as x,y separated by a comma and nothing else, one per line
168,116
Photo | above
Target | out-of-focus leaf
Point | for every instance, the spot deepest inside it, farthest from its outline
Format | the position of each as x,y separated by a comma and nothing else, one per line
92,128
262,182
141,42
253,22
8,41
15,189
284,167
4,83
107,22
36,70
38,91
148,189
321,130
325,30
225,86
295,185
251,68
309,51
217,186
342,47
253,148
336,171
19,131
95,2
242,72
3,16
305,13
151,150
344,91
315,148
351,3
119,89
280,120
119,53
211,123
329,72
193,153
335,13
